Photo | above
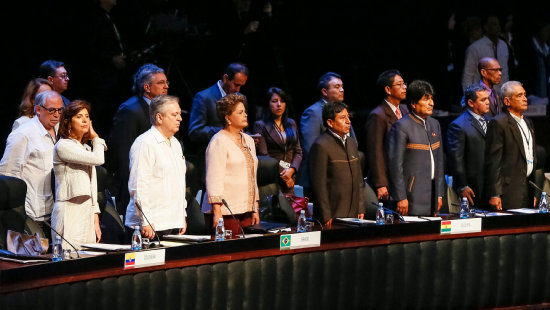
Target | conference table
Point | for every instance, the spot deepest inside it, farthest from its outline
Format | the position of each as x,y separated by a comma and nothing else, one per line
409,265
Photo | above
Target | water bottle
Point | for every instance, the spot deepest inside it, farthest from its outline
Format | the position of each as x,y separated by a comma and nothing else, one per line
380,217
302,221
136,239
543,205
220,230
57,250
464,210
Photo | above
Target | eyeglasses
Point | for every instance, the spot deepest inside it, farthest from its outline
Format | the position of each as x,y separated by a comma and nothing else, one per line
162,83
52,110
493,69
63,76
400,85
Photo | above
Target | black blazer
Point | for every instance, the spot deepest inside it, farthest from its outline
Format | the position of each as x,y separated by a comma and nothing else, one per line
506,163
466,154
203,121
377,127
271,144
130,121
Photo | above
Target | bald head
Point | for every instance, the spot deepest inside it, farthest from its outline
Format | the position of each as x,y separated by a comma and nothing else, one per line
490,71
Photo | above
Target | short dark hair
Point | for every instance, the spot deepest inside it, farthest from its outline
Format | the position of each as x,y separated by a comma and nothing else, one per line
325,79
331,109
48,68
386,78
226,105
291,135
416,90
143,76
234,68
470,93
68,113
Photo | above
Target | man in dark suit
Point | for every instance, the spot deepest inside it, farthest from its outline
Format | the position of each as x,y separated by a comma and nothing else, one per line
379,124
491,75
510,153
415,155
466,146
331,87
336,176
130,121
204,122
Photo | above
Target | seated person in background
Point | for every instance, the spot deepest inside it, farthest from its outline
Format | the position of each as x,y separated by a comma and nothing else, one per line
415,155
76,212
157,174
54,71
466,146
231,166
26,108
280,138
29,155
336,177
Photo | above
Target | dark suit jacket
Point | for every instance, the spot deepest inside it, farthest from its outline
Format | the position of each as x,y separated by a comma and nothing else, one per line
203,121
506,163
130,121
336,178
378,126
466,154
410,163
311,127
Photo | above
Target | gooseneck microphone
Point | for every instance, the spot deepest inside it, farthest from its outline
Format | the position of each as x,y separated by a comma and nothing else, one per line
60,235
145,217
238,222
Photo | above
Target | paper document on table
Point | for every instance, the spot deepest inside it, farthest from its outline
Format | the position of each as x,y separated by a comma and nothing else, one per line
355,221
414,219
483,214
22,261
196,238
108,246
524,210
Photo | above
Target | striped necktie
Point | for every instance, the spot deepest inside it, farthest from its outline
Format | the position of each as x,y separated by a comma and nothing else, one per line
398,113
483,124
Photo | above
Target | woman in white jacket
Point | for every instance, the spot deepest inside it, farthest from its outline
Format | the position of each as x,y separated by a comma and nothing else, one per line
76,212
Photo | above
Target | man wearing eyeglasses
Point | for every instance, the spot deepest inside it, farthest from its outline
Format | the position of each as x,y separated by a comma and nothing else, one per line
29,155
54,71
491,75
389,111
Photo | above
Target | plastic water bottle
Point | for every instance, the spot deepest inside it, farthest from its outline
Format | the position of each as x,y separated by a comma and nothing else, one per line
220,230
302,221
57,249
543,205
464,210
380,217
136,239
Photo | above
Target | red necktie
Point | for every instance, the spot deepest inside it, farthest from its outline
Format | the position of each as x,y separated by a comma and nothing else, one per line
398,113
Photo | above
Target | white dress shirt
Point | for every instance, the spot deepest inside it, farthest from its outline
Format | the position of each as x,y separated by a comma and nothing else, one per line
157,182
29,156
527,142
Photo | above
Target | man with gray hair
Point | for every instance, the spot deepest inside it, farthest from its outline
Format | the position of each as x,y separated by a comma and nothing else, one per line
510,152
29,155
130,121
157,174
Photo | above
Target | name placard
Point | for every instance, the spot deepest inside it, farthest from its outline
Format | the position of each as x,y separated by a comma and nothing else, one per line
461,226
300,240
144,258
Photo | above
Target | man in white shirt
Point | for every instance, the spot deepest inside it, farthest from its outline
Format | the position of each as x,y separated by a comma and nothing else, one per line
29,155
157,174
510,152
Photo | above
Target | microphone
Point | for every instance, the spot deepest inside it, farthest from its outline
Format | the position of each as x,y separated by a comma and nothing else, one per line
239,222
50,226
145,217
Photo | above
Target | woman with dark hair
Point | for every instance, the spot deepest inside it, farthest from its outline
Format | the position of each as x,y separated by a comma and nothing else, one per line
231,166
415,155
26,108
279,138
76,212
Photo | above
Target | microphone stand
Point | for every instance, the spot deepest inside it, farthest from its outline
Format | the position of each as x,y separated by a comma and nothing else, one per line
50,226
145,217
238,222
